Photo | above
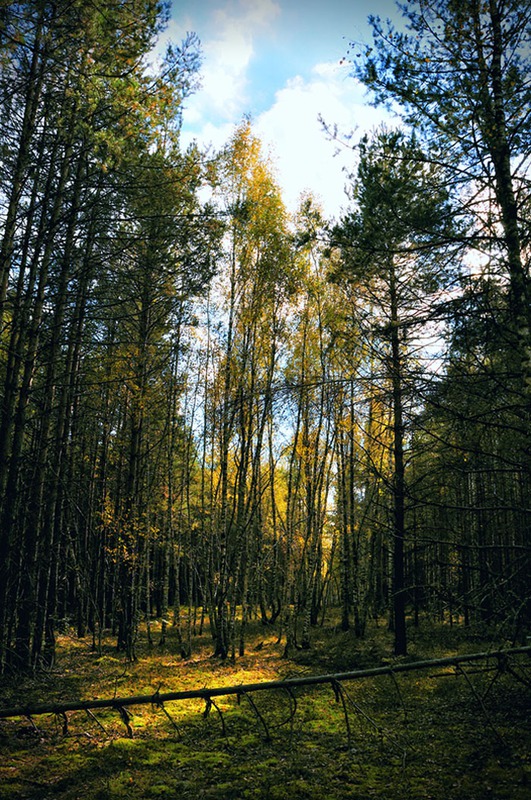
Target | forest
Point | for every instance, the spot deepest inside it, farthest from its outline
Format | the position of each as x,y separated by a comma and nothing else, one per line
208,405
216,415
227,430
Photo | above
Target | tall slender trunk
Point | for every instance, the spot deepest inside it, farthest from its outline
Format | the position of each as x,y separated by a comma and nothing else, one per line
34,84
21,654
499,147
399,531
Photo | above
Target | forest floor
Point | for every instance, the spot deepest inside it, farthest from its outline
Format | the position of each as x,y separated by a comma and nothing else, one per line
431,734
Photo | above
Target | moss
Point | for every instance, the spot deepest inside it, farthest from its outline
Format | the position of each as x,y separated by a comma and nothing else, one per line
121,785
425,736
161,790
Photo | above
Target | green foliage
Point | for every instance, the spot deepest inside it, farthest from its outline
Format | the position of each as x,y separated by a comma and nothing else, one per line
195,424
103,246
460,77
437,70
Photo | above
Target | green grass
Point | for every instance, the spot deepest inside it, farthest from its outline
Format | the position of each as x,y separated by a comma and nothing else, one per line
427,736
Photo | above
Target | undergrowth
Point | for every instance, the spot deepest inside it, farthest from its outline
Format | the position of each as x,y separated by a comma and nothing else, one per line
436,735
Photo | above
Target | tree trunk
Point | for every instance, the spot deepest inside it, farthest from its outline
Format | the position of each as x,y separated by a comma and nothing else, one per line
399,531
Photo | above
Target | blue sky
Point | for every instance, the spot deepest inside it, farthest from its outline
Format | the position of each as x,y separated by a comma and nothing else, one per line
279,61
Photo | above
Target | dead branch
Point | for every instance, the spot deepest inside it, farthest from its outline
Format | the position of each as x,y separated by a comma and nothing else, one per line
91,716
288,684
339,692
170,718
256,713
481,705
124,716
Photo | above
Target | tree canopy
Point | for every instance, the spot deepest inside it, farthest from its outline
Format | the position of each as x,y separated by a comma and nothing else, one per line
217,411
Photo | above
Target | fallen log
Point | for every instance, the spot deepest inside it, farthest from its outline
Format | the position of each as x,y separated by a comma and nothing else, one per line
241,689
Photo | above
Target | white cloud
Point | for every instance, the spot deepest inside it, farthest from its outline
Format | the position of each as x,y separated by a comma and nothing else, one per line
227,52
290,129
305,156
210,135
259,13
